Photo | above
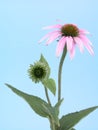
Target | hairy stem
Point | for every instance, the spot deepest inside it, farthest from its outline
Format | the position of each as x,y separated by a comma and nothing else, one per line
47,96
52,124
60,72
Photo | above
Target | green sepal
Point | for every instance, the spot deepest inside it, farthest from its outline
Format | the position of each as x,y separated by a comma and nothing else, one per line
67,122
50,84
43,60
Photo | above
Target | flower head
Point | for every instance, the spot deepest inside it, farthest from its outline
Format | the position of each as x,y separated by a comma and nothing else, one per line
68,35
38,71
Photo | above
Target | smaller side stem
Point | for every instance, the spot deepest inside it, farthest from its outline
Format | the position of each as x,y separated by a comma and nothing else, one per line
46,92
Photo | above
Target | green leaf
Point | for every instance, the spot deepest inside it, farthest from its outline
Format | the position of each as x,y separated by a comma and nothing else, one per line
53,114
36,103
50,84
57,106
42,59
59,103
70,120
72,129
41,107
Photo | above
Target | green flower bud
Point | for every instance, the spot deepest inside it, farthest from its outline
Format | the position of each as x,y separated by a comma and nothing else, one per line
38,72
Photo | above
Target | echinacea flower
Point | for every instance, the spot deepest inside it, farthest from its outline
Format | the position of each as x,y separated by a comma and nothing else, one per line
38,72
68,35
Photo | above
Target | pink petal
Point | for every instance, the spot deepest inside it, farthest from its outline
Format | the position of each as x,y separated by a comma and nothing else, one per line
53,37
43,38
53,26
85,39
79,43
87,44
83,31
60,46
46,36
69,42
72,51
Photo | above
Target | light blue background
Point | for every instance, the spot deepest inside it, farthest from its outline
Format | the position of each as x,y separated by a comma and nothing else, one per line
20,29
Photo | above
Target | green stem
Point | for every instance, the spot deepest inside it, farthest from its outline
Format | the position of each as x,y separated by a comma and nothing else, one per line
52,124
60,72
46,93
